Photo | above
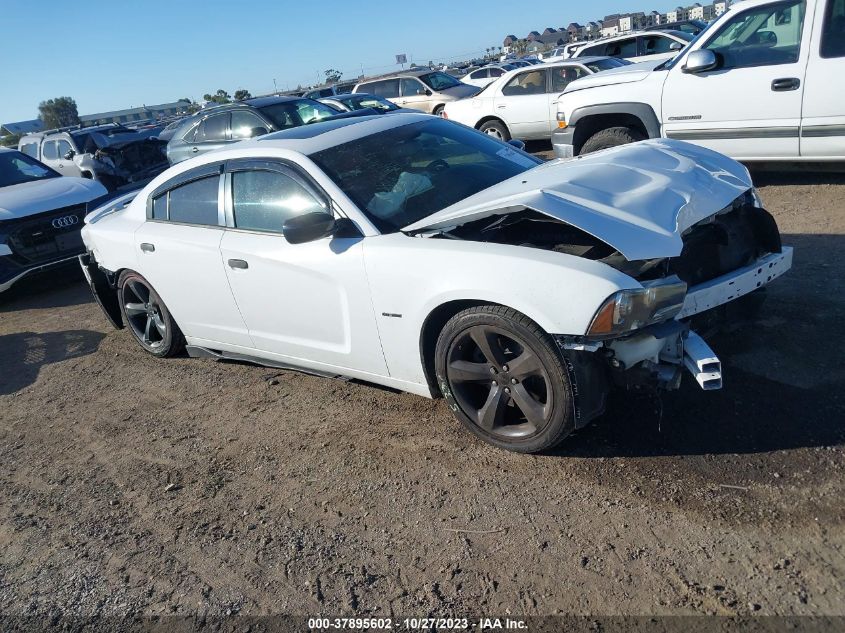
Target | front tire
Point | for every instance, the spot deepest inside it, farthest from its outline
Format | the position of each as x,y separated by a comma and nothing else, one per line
496,129
504,379
611,137
438,111
146,316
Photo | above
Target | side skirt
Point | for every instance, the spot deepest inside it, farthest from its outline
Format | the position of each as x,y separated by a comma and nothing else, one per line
195,351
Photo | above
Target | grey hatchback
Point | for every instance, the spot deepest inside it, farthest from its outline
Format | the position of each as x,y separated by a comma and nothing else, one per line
217,126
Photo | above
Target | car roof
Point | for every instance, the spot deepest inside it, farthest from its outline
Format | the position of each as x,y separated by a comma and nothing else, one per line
401,73
315,137
260,102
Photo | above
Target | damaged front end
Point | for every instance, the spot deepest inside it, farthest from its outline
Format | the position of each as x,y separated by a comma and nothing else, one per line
645,337
119,164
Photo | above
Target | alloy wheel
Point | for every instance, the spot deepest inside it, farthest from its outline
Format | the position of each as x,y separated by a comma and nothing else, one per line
144,314
499,382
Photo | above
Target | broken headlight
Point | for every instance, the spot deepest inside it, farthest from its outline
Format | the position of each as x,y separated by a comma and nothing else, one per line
632,309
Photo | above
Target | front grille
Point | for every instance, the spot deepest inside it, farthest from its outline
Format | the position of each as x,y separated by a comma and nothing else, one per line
724,243
47,236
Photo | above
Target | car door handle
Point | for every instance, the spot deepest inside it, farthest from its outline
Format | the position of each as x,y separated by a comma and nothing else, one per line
147,247
785,84
238,264
501,107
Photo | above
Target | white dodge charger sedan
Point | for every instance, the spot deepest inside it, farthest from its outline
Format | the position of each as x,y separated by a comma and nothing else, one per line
418,254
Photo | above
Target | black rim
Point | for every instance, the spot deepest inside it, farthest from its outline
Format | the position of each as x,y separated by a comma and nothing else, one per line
499,382
144,314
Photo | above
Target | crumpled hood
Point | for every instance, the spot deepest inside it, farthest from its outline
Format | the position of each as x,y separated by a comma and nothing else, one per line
637,198
29,198
622,75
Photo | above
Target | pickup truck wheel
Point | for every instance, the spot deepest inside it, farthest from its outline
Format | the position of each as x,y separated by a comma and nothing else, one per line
496,129
438,111
611,137
504,379
148,318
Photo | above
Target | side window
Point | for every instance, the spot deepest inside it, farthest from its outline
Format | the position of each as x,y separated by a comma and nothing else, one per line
563,76
389,88
326,92
593,50
263,200
532,82
30,149
622,48
49,151
496,72
411,87
64,148
833,31
194,202
762,36
213,128
656,45
160,207
479,74
245,124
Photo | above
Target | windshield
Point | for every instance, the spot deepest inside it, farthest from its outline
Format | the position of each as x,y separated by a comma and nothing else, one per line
402,175
360,102
290,114
669,64
439,81
17,168
607,64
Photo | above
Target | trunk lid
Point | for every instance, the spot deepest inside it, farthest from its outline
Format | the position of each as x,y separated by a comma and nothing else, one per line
637,198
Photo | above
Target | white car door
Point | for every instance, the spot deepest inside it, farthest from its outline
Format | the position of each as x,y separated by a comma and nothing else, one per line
178,251
307,303
523,104
749,106
823,121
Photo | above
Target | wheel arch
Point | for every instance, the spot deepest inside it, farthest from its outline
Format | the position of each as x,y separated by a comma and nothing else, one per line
440,315
491,117
588,120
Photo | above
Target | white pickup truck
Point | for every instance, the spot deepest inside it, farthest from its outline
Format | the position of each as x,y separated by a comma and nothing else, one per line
764,82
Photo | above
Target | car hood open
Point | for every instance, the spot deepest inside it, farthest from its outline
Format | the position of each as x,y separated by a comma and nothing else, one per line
637,198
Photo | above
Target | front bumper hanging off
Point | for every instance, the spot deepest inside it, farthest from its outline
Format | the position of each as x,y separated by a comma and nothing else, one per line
657,355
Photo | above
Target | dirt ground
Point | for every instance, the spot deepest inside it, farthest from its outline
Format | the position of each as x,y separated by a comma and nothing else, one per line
133,485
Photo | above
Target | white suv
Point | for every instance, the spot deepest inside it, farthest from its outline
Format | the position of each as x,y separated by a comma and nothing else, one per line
763,82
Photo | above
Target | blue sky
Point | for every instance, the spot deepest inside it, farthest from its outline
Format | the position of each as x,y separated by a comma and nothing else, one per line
110,55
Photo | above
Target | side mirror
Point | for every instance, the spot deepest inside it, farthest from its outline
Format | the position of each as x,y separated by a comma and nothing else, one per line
515,142
700,61
309,227
675,46
428,93
258,131
69,154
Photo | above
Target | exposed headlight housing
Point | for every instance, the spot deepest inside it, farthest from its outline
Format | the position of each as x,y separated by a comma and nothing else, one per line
633,309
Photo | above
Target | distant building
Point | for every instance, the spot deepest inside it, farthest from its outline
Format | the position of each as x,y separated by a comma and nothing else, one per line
134,115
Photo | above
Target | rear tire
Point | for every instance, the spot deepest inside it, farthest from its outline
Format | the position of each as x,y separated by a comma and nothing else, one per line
438,111
611,137
146,316
496,129
504,379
